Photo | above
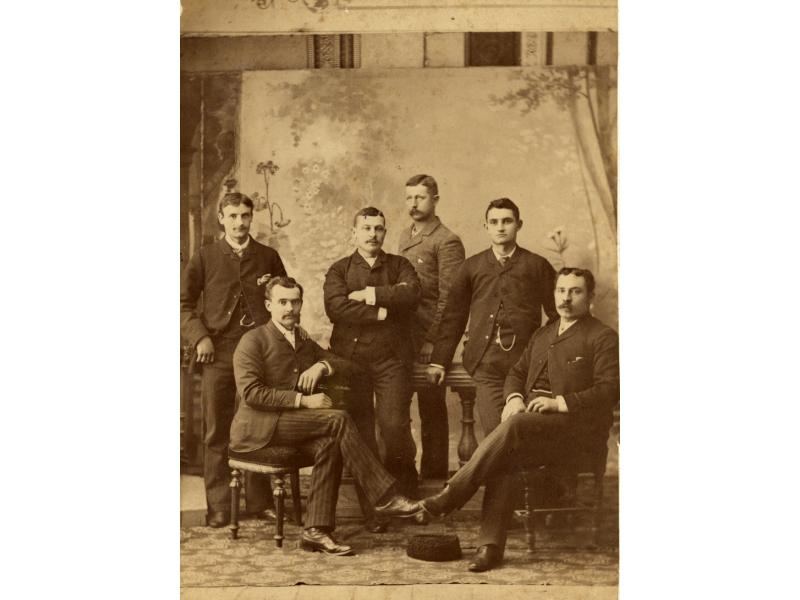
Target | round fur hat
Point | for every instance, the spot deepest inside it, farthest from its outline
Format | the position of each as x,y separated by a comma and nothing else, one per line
435,548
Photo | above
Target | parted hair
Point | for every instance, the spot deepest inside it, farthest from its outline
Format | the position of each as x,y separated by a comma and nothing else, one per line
585,273
232,198
503,203
426,180
284,282
367,211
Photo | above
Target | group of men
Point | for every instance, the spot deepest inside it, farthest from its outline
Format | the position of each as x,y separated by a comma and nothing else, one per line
541,392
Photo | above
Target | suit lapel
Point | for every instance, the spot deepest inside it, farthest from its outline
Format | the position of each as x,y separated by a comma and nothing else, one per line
409,241
279,337
569,332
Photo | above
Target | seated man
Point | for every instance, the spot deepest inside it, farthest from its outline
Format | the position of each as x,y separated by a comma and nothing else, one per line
559,397
277,367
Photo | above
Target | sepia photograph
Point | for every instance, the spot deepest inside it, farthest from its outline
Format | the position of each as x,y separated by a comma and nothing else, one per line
399,296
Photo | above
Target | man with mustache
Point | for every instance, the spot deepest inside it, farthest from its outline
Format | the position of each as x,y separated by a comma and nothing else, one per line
558,399
228,276
277,368
436,253
370,297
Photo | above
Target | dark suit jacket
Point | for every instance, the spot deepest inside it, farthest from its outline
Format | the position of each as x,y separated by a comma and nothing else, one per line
222,278
267,368
583,366
524,285
357,334
436,253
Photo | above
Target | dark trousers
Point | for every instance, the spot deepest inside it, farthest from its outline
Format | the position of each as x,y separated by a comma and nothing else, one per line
390,380
219,406
435,432
332,438
489,377
524,438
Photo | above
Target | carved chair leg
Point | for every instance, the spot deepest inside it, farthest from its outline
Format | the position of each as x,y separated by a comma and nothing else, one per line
298,509
530,523
235,485
280,495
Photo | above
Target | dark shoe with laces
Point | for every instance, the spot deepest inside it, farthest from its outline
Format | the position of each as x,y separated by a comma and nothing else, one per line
317,540
397,506
487,557
268,514
439,504
218,518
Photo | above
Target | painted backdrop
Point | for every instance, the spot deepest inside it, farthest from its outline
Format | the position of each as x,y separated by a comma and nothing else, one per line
314,146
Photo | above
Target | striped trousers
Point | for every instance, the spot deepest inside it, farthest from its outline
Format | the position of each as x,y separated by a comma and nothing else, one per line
332,439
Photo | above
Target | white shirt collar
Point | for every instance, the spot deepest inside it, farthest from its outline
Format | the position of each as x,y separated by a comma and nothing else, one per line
289,334
499,256
236,246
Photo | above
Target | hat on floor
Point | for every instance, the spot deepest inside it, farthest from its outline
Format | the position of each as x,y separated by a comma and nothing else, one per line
435,548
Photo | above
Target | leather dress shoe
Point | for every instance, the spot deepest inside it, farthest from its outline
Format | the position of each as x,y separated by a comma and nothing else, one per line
317,540
439,504
268,514
374,525
218,518
487,557
397,506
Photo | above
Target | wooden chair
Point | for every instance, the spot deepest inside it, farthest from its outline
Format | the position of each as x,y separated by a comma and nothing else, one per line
278,462
587,462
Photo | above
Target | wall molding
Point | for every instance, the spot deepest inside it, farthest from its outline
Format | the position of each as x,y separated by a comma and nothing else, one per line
213,17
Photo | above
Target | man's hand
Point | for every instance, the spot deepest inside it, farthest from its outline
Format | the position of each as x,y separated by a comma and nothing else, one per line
310,378
512,407
316,401
205,350
425,353
358,295
543,404
434,375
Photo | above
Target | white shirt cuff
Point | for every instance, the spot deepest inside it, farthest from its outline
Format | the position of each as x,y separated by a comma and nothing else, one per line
382,312
515,395
297,399
562,404
370,295
438,366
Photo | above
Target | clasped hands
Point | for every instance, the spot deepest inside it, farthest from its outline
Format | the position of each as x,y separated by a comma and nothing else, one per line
358,295
541,404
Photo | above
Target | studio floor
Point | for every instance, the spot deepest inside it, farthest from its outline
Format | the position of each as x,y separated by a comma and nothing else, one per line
214,566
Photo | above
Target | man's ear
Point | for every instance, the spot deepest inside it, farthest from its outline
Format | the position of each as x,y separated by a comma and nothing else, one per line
268,304
220,218
520,225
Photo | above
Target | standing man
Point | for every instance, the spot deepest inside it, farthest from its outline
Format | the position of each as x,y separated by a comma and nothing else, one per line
502,292
229,275
559,398
277,368
370,297
436,253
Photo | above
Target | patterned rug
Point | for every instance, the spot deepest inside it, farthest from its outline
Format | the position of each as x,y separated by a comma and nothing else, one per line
209,558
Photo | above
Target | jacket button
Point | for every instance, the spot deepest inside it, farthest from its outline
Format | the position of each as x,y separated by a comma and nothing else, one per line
487,337
491,316
355,339
295,370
